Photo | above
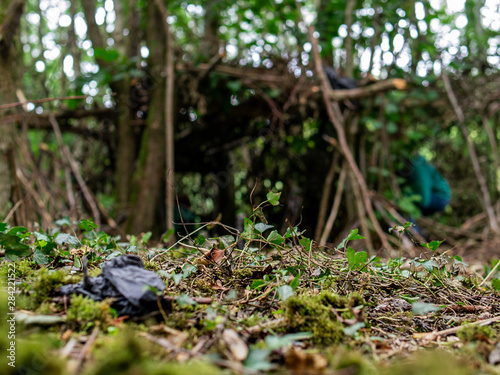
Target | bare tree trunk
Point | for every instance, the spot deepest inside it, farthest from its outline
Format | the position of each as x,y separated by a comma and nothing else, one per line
125,136
169,118
147,204
348,44
10,15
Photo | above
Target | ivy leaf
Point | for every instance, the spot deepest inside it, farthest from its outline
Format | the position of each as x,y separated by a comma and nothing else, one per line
421,308
39,257
256,284
353,235
273,198
200,240
295,282
429,265
495,283
355,260
351,331
257,360
13,245
433,245
87,225
275,238
261,227
185,300
63,238
285,292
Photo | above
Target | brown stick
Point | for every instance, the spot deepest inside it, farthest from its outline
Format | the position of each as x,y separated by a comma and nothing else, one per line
44,100
325,196
367,91
76,171
434,335
361,212
494,148
335,206
472,153
331,108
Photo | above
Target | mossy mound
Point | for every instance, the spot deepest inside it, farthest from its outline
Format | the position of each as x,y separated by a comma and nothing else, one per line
305,313
86,313
129,354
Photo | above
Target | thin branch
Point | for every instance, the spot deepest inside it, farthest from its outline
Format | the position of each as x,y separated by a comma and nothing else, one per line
335,206
370,90
44,100
76,172
472,153
169,118
325,197
332,109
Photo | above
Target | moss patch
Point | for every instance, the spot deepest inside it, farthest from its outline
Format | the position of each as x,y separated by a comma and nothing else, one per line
313,314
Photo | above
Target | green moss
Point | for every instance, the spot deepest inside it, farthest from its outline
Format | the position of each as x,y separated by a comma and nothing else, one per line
84,312
474,333
32,354
351,362
150,265
243,273
23,269
203,286
435,362
47,281
312,314
305,313
127,353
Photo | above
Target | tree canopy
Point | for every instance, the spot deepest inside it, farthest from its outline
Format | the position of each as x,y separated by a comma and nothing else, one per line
126,111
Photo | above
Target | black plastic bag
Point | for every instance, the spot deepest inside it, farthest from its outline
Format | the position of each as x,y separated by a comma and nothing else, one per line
126,281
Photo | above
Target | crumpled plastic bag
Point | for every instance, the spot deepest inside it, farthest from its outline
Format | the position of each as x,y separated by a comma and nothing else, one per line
126,281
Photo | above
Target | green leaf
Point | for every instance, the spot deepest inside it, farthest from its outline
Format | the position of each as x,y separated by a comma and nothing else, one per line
261,227
3,226
273,198
257,360
200,240
277,342
421,308
13,245
353,235
234,85
257,284
108,55
39,257
275,238
351,331
41,237
185,300
177,277
355,260
285,292
17,230
167,235
433,245
87,225
429,265
495,283
63,238
295,282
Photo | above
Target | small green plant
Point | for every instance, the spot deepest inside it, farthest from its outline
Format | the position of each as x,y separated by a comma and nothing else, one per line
86,313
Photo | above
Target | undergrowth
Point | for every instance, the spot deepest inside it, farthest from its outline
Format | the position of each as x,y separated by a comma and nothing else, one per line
253,301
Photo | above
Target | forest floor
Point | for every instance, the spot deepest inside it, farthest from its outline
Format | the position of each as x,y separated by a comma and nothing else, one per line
252,303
